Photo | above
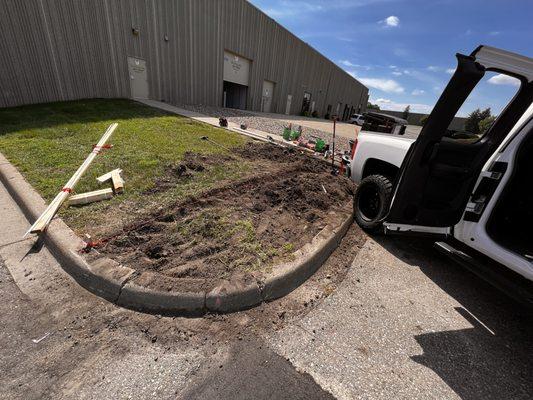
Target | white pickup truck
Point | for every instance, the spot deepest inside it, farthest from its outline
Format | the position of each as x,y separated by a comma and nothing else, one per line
475,196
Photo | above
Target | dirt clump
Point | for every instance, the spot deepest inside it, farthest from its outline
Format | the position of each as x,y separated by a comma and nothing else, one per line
244,226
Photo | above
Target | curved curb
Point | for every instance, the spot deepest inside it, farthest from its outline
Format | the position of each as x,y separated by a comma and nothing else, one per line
157,293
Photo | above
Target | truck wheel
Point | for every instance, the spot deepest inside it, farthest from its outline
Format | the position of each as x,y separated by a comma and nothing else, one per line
371,202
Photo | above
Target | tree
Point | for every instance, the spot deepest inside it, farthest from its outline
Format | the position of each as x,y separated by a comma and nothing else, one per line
474,118
406,111
423,120
485,124
371,106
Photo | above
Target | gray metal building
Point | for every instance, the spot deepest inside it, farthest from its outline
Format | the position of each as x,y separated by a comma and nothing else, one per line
212,52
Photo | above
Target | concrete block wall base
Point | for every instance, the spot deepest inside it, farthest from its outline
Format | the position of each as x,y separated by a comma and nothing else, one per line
155,293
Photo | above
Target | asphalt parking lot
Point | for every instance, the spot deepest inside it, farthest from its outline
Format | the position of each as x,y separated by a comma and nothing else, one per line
404,323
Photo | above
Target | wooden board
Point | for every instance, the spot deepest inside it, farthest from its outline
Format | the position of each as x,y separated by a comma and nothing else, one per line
117,181
90,197
43,221
105,177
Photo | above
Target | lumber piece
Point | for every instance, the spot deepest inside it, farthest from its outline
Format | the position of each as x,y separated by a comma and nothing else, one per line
44,220
105,177
90,197
117,181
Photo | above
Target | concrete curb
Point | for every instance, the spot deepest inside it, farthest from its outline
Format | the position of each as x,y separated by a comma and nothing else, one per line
156,293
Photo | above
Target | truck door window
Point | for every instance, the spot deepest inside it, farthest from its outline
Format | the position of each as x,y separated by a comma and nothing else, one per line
483,106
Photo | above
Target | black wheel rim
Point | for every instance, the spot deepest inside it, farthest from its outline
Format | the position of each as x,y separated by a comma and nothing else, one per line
369,203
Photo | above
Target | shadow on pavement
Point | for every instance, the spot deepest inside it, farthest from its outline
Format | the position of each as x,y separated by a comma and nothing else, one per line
491,360
253,371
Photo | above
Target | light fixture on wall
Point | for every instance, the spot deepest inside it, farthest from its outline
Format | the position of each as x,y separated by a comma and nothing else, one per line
135,31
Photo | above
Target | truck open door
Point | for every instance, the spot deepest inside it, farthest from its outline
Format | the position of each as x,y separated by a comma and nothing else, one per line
439,173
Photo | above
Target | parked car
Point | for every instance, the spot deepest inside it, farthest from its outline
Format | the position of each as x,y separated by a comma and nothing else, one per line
357,119
474,195
379,122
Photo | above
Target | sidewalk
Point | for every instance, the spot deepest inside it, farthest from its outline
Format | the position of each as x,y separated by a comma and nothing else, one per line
254,133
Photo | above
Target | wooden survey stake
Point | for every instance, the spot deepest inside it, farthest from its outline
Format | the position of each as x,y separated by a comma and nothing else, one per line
44,220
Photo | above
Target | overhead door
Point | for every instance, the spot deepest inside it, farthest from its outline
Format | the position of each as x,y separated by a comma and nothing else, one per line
236,80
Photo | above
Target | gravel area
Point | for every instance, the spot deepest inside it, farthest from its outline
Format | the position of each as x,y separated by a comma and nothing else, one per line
271,125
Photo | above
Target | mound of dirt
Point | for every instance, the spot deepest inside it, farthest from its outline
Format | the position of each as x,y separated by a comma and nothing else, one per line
241,227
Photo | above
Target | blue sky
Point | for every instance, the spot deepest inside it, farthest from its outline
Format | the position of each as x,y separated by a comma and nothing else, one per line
404,50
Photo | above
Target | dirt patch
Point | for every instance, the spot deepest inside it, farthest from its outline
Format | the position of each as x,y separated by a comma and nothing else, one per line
182,172
242,227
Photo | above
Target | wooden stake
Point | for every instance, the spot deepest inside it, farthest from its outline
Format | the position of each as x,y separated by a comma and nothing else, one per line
117,181
90,197
105,177
44,220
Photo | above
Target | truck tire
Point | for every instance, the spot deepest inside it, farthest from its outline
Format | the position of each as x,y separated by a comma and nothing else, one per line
371,202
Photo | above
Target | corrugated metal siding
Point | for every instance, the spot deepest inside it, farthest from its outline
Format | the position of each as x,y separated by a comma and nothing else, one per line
69,49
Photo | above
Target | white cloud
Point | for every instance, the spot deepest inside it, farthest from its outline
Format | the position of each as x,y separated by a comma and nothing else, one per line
418,92
393,66
347,63
502,79
433,68
392,21
397,73
387,104
289,9
450,71
385,85
494,33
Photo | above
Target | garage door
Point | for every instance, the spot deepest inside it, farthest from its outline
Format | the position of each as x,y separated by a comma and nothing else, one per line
236,69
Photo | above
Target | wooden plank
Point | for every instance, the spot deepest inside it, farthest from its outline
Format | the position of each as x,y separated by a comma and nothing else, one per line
44,220
117,181
90,197
105,177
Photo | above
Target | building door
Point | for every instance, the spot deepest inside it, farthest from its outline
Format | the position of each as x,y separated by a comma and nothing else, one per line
345,112
236,80
306,103
235,95
138,78
268,92
289,102
338,109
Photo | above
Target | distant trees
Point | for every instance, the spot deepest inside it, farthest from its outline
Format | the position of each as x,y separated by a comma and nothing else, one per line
474,124
406,112
371,106
485,124
423,120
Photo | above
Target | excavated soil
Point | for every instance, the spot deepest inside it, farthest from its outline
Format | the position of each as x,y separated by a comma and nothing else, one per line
244,226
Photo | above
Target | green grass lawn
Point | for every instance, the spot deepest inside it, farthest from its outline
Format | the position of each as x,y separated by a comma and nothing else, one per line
48,142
